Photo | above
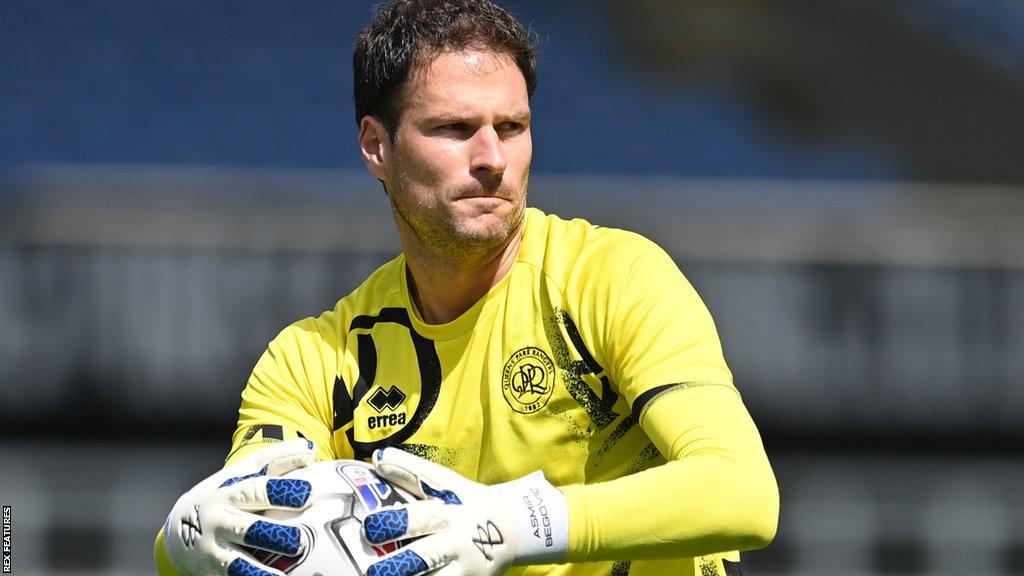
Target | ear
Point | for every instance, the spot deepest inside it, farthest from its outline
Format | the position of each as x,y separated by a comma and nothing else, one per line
374,144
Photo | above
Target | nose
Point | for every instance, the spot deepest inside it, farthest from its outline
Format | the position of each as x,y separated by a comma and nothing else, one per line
488,152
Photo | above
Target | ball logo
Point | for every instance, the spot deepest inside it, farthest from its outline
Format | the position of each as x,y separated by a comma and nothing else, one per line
373,492
528,380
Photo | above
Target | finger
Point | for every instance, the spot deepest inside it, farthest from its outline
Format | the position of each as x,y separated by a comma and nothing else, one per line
435,551
262,493
422,477
276,460
232,561
405,562
255,531
287,456
450,569
407,521
243,567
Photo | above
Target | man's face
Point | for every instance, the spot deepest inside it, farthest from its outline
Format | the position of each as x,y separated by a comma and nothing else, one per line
459,162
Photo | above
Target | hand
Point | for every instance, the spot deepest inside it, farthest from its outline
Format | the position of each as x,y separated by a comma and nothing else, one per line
468,529
211,522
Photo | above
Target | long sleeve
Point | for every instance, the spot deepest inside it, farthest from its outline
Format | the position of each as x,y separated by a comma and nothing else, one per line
716,493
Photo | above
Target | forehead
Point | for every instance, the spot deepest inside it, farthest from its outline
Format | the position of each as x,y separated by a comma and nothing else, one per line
454,81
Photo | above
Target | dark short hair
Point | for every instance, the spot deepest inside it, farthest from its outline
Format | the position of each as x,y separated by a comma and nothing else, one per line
405,35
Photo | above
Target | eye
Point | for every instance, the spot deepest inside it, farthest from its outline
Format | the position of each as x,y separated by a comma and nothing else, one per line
458,127
511,128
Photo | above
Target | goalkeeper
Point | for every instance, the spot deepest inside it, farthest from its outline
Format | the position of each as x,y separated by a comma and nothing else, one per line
554,391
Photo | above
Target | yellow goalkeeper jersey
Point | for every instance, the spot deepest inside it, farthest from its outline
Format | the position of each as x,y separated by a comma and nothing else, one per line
551,370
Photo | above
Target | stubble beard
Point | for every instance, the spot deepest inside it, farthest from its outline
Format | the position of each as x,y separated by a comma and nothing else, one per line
448,239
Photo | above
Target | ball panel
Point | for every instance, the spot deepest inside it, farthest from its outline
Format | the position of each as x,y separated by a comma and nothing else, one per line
343,493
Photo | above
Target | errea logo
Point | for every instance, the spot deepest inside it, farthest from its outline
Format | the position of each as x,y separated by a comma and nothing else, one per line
390,400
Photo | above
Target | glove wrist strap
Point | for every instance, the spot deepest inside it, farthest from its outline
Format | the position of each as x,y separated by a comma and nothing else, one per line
541,517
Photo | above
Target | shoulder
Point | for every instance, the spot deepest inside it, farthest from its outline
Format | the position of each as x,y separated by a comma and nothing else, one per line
565,249
381,289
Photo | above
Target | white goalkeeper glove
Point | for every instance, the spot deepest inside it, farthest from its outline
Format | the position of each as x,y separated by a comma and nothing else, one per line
468,529
209,524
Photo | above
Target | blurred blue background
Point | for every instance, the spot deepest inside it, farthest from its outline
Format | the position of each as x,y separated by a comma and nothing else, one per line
918,90
842,181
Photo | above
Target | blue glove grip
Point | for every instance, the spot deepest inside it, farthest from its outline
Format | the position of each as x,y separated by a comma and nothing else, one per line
386,525
240,567
274,537
446,496
288,493
405,563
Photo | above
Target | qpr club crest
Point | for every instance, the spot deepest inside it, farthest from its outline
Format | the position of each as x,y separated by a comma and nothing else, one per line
528,380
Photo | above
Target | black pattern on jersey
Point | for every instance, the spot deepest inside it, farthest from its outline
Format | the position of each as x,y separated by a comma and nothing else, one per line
269,432
446,457
598,408
430,380
367,365
621,568
648,456
425,451
343,406
624,426
732,568
644,399
708,566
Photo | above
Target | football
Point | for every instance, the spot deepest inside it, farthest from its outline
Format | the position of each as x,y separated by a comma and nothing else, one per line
344,492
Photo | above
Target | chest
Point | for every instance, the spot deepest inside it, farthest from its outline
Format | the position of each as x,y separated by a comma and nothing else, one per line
517,392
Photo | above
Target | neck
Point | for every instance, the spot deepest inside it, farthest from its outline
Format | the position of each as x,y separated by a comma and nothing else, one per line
443,288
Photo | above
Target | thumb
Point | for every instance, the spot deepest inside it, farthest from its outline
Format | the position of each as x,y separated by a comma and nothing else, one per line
263,493
294,454
283,457
421,477
276,460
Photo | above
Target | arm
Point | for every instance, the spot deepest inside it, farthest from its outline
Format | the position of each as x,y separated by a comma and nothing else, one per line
716,493
285,399
287,395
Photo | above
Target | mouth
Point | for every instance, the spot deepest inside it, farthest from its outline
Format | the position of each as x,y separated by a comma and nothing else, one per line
482,202
482,196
